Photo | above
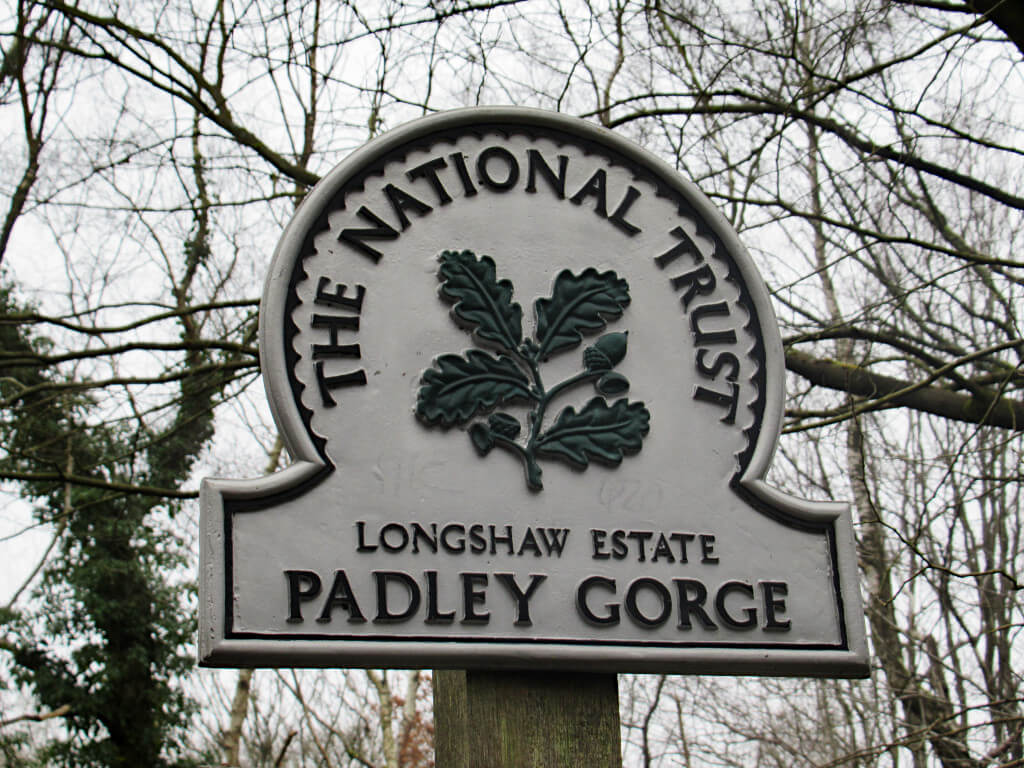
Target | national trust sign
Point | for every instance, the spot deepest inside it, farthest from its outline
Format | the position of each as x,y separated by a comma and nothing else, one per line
531,382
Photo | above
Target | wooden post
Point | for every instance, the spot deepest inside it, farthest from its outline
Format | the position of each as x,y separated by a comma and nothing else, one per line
526,720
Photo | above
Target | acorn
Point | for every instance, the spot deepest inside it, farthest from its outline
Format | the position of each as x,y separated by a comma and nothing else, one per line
482,439
606,353
504,424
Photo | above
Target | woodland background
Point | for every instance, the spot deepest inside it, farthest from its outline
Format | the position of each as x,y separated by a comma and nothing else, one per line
870,154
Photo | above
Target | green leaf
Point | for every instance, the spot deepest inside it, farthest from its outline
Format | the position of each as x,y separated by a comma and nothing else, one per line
481,301
599,431
458,387
579,304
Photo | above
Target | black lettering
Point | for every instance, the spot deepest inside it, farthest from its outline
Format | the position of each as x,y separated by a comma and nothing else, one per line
722,359
472,597
342,597
633,608
522,599
338,298
460,544
612,617
384,613
683,539
460,168
429,171
692,603
328,383
506,539
618,217
401,201
641,538
419,533
702,338
686,245
663,550
434,616
699,281
362,546
303,586
707,549
484,175
321,351
356,238
403,537
598,537
477,542
536,162
728,401
529,542
619,548
773,606
333,324
750,614
595,186
553,540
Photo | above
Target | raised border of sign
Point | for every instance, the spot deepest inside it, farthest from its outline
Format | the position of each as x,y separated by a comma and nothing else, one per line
220,645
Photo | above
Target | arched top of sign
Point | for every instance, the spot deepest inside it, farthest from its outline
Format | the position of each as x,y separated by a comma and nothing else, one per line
277,329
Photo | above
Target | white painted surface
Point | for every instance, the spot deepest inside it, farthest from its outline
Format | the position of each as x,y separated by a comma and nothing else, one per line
388,467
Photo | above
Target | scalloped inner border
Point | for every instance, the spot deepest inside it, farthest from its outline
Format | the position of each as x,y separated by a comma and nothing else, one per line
377,166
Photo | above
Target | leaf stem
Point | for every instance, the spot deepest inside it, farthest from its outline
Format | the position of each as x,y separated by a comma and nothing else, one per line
572,381
547,397
537,418
533,470
535,371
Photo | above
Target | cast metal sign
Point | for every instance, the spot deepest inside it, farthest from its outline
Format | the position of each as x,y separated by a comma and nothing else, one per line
531,382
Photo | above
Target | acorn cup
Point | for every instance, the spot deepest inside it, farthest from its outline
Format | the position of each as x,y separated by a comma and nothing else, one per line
612,384
606,353
504,424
